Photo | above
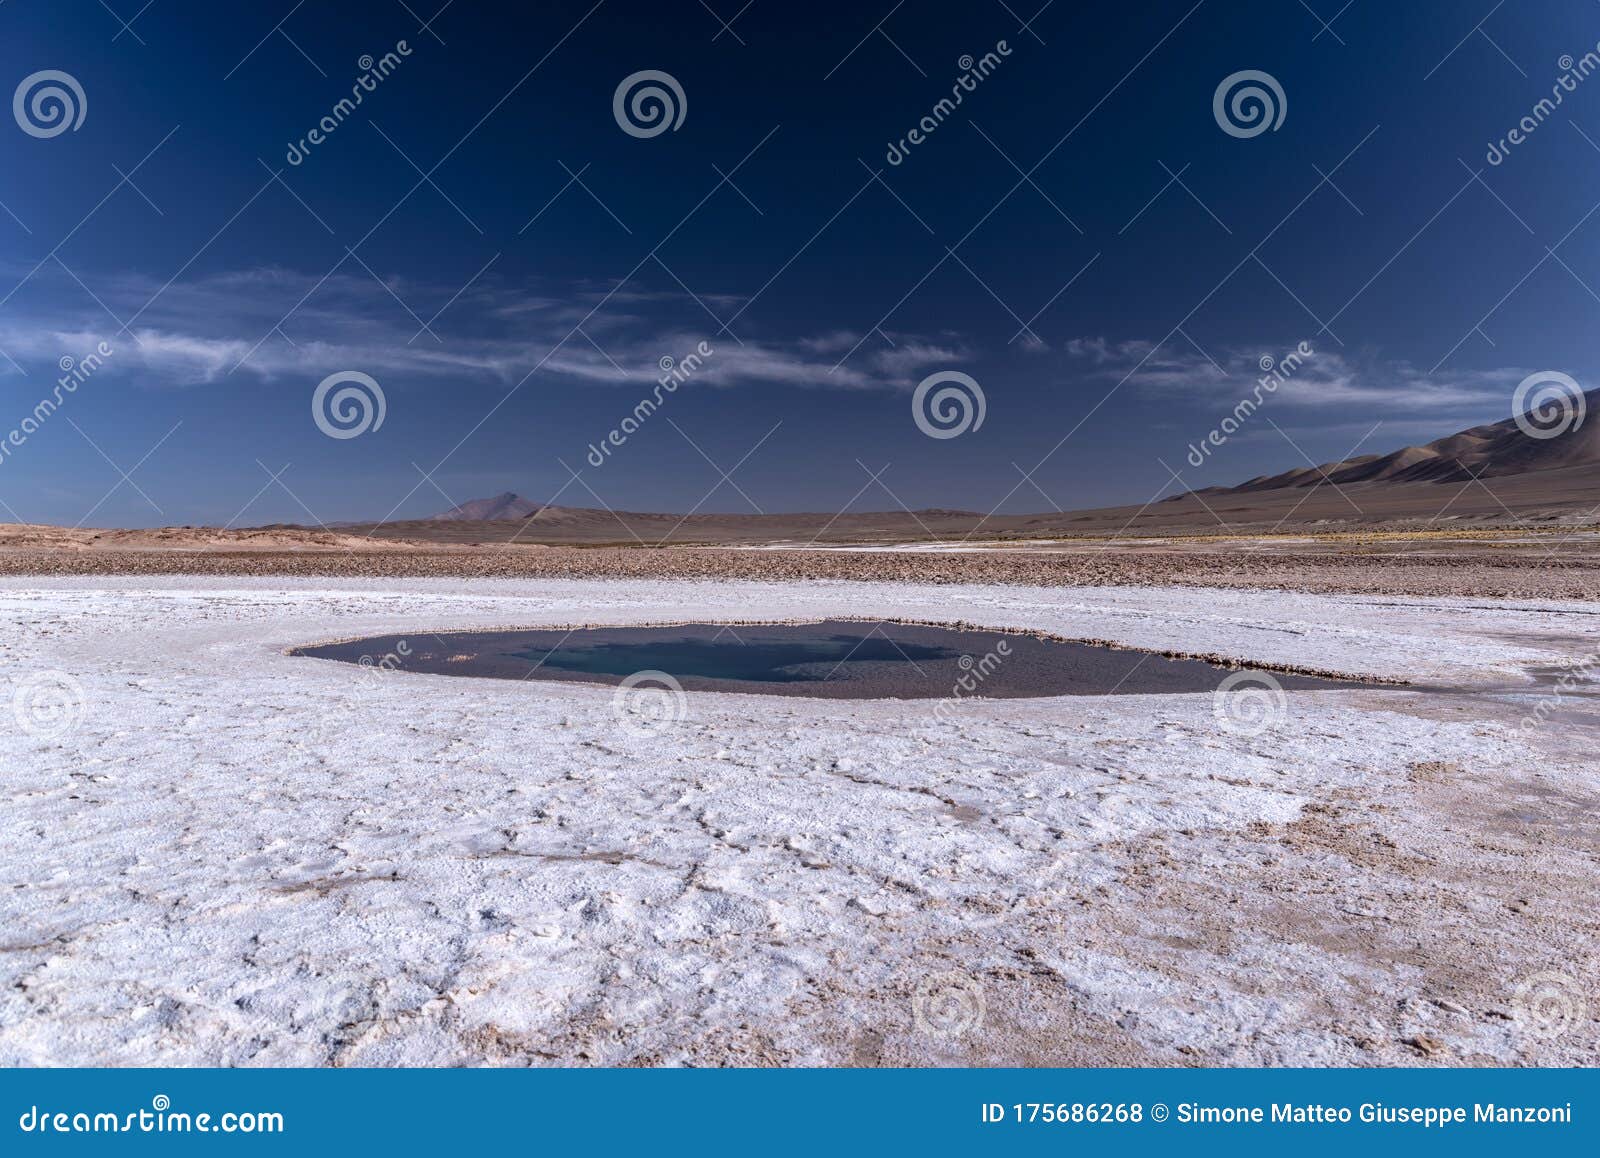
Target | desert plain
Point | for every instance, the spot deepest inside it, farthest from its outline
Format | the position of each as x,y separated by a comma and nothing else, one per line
223,854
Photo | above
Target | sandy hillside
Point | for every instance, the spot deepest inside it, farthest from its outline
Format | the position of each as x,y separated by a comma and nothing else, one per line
40,537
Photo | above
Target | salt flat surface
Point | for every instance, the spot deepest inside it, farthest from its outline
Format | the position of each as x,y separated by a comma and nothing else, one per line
234,856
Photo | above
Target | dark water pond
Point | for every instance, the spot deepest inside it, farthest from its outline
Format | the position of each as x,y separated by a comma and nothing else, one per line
842,659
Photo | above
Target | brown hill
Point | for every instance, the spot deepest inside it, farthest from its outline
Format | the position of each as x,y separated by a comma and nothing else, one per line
501,506
1498,450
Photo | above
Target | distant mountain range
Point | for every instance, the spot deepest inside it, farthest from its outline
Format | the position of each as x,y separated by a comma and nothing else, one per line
501,506
1536,480
1498,450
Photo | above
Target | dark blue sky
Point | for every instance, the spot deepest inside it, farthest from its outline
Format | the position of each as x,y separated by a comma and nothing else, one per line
1089,155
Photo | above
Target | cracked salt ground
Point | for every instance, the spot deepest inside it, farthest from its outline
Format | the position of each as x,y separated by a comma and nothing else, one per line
426,869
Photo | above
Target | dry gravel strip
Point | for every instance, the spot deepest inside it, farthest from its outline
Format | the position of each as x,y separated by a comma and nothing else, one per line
1466,574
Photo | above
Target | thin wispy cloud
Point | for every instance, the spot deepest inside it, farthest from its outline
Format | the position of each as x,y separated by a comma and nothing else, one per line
1325,380
271,324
